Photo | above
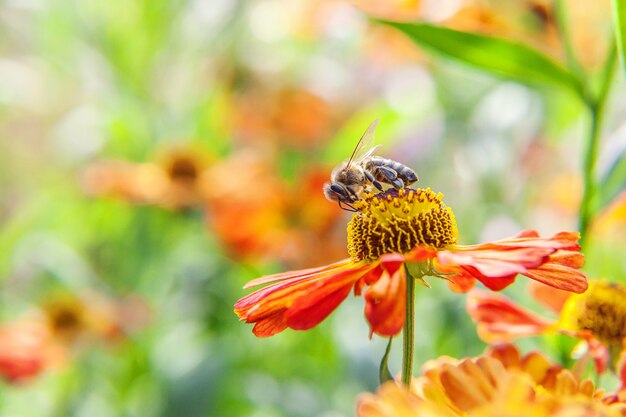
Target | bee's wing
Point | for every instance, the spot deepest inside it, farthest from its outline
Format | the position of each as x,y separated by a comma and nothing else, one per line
369,153
364,148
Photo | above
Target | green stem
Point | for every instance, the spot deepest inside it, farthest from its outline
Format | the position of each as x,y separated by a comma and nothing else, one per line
408,334
564,34
596,109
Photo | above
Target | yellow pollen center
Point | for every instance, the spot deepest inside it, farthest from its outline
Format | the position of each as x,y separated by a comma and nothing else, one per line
602,310
398,221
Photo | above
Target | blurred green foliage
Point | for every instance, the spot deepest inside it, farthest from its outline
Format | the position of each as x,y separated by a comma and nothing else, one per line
87,81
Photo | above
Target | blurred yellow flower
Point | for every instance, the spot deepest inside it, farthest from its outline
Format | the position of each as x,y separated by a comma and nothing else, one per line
75,319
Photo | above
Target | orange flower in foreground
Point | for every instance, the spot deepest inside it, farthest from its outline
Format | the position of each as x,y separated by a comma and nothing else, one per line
597,318
497,384
395,232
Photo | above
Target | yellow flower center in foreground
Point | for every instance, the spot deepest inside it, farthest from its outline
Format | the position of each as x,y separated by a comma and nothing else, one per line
602,310
398,221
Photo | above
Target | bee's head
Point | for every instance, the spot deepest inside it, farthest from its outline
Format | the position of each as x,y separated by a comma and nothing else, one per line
341,194
335,192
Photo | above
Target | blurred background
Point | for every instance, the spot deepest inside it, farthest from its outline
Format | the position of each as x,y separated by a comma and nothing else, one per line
155,155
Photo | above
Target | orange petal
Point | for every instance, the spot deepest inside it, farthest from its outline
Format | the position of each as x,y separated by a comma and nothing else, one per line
551,261
461,282
270,325
302,273
530,238
507,354
568,258
499,319
308,311
420,253
466,385
496,263
559,276
538,367
301,301
385,302
392,399
494,284
547,296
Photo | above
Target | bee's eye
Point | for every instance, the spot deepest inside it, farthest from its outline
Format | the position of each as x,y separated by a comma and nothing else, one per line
337,189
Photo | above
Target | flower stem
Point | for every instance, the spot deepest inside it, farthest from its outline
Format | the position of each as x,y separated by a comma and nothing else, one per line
408,333
596,109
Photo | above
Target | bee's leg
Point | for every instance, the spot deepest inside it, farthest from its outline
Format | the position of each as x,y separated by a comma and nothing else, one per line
371,179
411,177
391,176
352,194
348,208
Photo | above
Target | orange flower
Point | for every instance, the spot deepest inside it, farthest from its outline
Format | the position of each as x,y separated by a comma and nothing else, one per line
24,350
597,318
297,228
290,117
174,181
496,384
395,232
75,319
396,9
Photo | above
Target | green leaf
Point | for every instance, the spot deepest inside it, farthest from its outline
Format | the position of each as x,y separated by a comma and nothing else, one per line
499,56
384,374
619,17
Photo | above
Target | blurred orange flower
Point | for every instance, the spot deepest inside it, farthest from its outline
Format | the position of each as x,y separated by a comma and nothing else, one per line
401,230
531,22
296,227
173,181
597,318
75,319
289,117
26,350
498,383
46,338
534,22
392,9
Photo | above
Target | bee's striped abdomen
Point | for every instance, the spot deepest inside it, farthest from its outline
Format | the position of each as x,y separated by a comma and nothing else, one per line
406,174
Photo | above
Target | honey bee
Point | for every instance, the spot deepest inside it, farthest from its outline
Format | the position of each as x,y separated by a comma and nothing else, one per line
355,175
